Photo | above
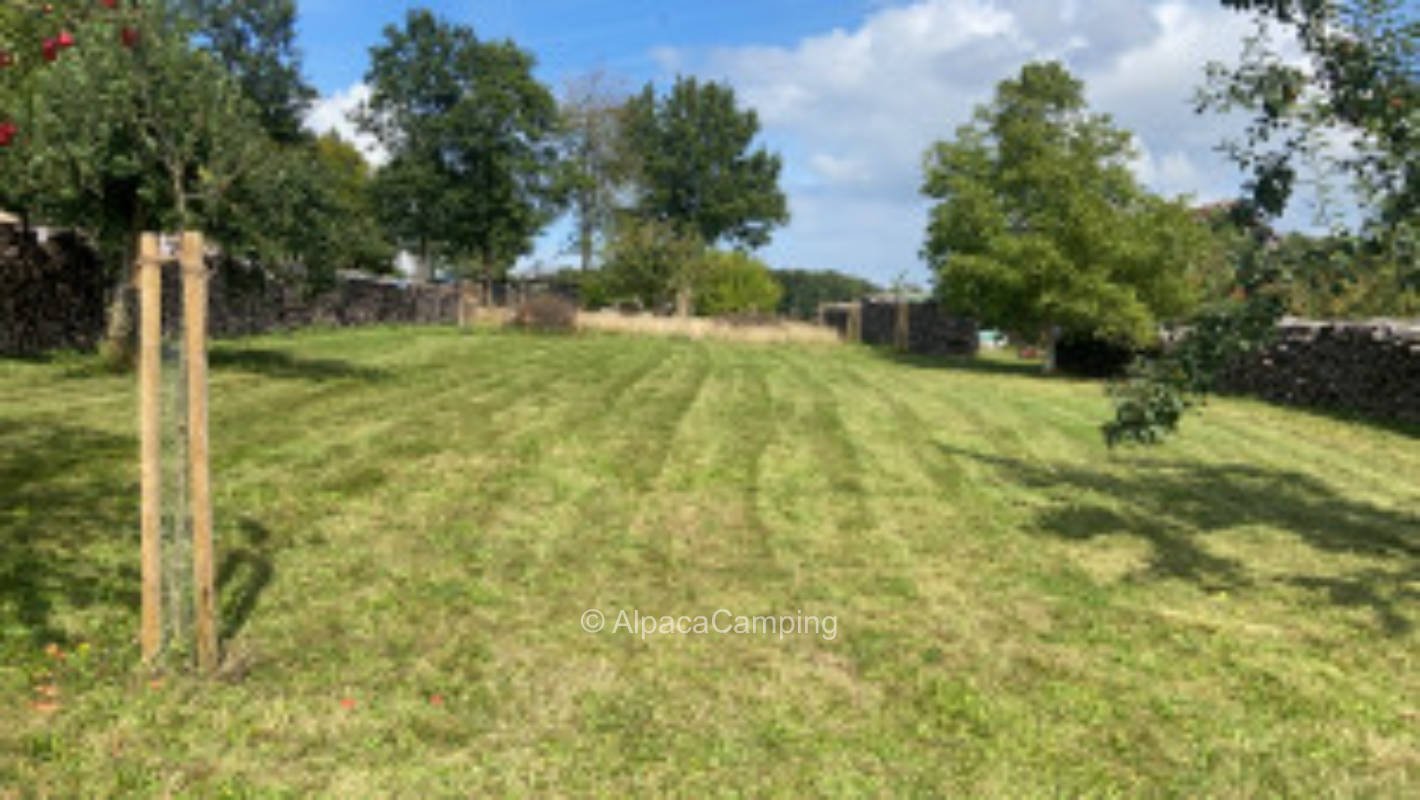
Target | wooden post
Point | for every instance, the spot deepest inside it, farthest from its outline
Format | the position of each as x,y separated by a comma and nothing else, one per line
900,334
194,309
150,302
855,323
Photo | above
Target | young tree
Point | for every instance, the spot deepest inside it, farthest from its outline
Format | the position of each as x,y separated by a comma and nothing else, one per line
693,165
471,135
1040,227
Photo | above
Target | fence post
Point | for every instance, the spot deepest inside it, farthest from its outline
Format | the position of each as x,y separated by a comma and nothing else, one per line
901,335
150,333
194,286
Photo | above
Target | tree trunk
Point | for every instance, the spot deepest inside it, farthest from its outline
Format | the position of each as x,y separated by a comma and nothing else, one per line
423,270
1052,333
119,346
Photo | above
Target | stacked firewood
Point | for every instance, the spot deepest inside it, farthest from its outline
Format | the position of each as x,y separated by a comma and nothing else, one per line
1369,368
52,295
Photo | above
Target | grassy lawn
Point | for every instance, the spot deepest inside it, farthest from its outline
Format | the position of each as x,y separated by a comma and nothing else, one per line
412,523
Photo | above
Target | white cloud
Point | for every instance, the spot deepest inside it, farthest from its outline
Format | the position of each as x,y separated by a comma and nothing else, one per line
332,112
854,110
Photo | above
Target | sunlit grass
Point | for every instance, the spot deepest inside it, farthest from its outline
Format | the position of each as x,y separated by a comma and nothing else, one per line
413,521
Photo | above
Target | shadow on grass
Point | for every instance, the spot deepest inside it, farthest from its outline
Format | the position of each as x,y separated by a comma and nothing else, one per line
283,365
989,365
245,572
67,494
1411,429
1175,506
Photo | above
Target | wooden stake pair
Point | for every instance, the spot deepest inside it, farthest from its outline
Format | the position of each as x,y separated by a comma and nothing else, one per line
150,286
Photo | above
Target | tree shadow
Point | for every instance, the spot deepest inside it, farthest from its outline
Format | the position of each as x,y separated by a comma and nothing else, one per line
974,364
282,365
1175,506
245,572
64,493
1402,427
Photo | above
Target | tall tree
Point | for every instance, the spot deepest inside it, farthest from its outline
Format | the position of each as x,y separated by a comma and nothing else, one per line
1041,228
593,161
256,41
694,166
471,134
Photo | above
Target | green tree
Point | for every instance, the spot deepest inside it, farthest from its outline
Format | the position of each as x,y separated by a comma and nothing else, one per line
120,140
255,40
652,261
126,139
1041,228
693,164
471,135
36,33
306,211
1359,78
805,290
732,281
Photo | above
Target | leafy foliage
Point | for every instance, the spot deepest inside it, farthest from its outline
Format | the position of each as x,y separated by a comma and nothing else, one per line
731,282
255,41
152,136
651,261
471,137
804,290
1040,223
1359,80
694,168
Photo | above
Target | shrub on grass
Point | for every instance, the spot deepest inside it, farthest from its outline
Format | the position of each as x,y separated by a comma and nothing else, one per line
546,313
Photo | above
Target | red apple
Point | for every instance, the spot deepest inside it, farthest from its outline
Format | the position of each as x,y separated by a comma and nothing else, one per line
7,133
6,59
50,50
129,37
65,40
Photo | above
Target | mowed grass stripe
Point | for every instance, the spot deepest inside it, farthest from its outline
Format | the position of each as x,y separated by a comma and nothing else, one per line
1021,613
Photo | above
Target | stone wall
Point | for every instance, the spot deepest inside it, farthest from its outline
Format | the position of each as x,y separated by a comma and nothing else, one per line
1367,368
52,295
55,296
930,330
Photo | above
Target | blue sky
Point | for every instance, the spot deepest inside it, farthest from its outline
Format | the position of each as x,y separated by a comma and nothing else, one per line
851,92
569,36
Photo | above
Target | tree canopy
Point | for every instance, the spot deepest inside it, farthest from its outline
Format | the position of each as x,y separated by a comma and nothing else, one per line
1040,224
804,290
470,134
255,41
693,164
